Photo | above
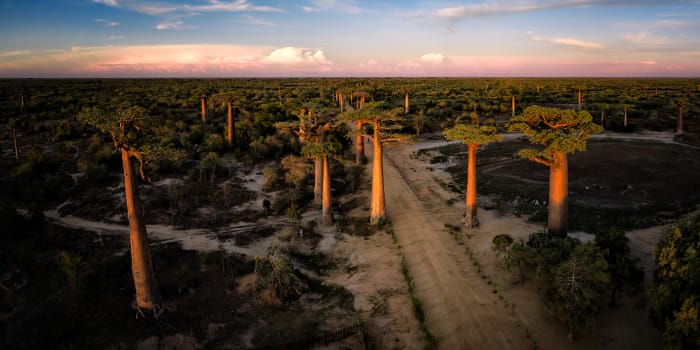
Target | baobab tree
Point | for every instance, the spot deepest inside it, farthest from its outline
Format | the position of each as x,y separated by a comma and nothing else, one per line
125,126
473,135
233,107
560,132
382,119
203,95
11,127
680,103
323,149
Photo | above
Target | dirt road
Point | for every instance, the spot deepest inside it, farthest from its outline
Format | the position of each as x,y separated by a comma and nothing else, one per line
461,309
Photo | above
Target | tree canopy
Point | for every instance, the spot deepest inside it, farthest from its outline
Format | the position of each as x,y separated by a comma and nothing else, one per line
558,130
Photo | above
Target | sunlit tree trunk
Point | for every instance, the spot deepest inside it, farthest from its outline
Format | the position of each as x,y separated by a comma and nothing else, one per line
359,143
147,296
579,99
326,207
318,180
204,109
231,136
625,120
406,104
377,207
558,195
470,218
512,106
679,127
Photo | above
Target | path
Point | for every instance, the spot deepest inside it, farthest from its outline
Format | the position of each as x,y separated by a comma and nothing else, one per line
461,309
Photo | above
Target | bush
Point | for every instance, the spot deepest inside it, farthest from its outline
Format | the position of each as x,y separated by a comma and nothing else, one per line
674,293
275,280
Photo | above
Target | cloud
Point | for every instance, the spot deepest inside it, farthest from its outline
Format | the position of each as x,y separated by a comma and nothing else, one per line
106,22
346,6
257,21
493,8
233,6
293,55
433,58
163,8
115,37
113,3
175,25
646,38
572,42
165,60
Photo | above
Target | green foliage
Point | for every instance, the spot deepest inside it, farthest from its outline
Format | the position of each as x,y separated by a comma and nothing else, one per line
673,296
209,167
557,130
624,273
473,134
296,170
274,274
500,244
123,125
579,287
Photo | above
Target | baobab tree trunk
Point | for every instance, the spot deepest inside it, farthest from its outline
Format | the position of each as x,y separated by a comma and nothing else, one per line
147,296
558,195
359,143
512,106
679,128
470,218
625,119
204,109
231,135
406,104
579,99
318,180
14,143
326,207
377,212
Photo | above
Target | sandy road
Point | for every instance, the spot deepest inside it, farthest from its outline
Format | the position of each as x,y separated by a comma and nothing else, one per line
461,309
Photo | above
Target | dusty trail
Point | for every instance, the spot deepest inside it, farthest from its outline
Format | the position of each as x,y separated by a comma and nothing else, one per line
461,310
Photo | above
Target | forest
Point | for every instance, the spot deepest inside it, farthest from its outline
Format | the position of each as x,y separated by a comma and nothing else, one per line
350,213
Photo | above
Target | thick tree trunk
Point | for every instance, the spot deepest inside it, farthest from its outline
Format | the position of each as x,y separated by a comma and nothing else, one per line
326,207
14,143
231,135
318,181
406,104
558,195
625,120
147,296
679,128
470,218
204,109
359,143
579,99
512,106
377,212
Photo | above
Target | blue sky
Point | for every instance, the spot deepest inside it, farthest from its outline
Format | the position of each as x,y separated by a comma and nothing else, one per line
163,38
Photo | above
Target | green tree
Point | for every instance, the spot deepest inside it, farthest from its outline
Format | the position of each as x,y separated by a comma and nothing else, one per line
579,286
500,244
680,104
560,132
384,121
472,135
126,127
624,273
674,293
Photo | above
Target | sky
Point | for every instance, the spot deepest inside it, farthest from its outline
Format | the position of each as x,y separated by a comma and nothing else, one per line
282,38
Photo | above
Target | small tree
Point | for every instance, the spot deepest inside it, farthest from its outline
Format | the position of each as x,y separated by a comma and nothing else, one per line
472,135
580,284
500,245
560,132
680,104
125,126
